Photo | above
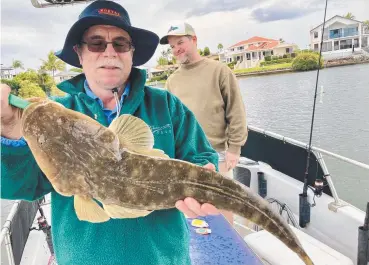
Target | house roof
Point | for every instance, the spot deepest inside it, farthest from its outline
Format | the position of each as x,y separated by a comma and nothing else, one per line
4,68
252,40
333,18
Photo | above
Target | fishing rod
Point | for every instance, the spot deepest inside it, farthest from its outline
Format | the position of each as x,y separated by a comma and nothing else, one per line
304,214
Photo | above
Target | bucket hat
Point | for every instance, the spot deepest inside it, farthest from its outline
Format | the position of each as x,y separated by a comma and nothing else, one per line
103,12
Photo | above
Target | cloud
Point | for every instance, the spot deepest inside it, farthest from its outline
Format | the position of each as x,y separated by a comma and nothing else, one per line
220,6
285,10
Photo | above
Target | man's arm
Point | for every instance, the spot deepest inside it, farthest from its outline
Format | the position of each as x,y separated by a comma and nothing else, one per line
21,178
235,112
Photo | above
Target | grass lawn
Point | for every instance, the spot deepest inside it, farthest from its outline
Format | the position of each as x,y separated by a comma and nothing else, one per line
264,68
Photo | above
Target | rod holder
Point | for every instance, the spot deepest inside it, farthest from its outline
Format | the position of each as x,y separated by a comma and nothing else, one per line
262,185
363,241
304,212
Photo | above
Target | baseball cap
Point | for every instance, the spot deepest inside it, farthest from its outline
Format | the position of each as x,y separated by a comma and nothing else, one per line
183,29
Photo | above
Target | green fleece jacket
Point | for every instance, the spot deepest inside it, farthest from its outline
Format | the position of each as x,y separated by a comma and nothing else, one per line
162,237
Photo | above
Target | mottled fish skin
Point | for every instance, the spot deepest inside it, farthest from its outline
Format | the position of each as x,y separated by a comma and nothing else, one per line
82,157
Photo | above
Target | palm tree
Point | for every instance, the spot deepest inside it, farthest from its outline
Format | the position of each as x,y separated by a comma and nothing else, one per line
349,15
53,63
17,64
220,47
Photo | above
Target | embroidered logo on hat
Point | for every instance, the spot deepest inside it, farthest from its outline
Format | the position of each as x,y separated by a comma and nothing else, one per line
172,28
107,11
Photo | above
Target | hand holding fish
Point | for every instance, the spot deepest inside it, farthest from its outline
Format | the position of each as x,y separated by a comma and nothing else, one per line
192,208
10,116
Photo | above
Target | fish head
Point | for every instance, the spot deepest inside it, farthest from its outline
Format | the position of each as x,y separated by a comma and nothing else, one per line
39,122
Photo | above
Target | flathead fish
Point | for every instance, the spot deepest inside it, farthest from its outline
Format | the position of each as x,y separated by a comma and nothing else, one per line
118,167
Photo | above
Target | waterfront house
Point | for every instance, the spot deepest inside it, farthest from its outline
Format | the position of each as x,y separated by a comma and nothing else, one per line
250,52
342,37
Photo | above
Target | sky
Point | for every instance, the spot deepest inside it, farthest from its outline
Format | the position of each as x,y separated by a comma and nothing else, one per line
29,33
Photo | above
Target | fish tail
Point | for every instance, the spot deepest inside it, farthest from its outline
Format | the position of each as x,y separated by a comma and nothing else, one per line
241,200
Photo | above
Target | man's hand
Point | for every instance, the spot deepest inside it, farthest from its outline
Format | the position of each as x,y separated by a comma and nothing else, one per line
192,208
10,116
231,160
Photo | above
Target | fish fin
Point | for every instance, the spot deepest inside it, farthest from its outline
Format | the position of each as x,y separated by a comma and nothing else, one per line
133,132
115,211
151,152
135,135
89,210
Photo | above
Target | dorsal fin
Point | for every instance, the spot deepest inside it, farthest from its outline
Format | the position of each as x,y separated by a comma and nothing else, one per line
135,135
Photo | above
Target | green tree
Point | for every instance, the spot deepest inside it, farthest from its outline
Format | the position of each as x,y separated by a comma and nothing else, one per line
307,61
162,61
29,90
220,47
366,24
200,52
17,64
40,78
206,51
14,85
55,91
349,15
53,63
78,70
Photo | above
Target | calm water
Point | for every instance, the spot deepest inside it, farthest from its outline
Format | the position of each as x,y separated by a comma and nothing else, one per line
283,104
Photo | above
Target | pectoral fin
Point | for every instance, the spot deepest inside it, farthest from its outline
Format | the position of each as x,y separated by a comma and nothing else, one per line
135,135
115,211
132,132
89,210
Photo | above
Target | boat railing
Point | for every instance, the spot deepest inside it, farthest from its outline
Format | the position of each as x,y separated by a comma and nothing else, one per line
318,152
16,228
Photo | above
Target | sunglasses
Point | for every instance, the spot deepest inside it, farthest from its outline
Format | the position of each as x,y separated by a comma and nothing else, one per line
119,45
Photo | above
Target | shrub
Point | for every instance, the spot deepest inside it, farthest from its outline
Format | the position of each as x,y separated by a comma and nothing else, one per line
306,61
268,58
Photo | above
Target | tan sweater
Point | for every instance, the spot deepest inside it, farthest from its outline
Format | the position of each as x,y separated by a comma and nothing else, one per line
210,90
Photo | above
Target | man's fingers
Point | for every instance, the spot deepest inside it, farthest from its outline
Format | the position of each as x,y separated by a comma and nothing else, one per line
194,206
180,205
209,209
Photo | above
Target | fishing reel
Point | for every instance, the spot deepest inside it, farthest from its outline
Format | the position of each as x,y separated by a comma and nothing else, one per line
318,187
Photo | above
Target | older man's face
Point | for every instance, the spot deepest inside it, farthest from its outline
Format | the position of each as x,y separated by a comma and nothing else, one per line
105,69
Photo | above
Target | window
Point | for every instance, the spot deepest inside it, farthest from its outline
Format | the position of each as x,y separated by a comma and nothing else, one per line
287,50
356,43
315,35
335,33
327,46
316,47
336,45
345,44
248,56
271,53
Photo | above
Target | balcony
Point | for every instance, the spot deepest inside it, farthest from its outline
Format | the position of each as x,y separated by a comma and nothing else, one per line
343,33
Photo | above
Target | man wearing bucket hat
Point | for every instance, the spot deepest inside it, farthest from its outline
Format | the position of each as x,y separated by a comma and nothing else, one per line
105,44
222,116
